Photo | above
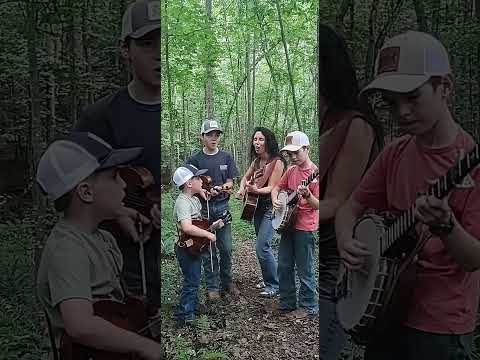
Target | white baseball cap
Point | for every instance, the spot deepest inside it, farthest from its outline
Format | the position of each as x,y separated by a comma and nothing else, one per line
185,173
407,61
70,160
295,140
210,125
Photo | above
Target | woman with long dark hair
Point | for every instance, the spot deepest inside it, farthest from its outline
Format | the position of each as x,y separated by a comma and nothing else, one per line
263,174
350,138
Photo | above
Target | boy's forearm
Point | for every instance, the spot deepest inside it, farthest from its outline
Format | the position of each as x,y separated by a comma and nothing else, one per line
101,334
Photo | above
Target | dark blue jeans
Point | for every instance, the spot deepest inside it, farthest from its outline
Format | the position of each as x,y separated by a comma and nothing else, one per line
332,336
132,272
221,248
297,251
264,231
191,269
404,343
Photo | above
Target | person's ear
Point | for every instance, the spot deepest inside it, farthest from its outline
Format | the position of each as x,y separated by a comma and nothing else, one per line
446,86
84,191
125,51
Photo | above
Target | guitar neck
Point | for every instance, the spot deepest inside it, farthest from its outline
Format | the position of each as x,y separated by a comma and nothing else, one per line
442,186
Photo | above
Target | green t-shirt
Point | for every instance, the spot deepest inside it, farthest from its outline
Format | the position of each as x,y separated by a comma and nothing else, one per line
77,265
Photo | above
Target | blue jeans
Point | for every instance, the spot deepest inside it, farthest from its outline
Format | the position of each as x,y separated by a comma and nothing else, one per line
297,249
191,268
264,231
331,334
404,343
222,247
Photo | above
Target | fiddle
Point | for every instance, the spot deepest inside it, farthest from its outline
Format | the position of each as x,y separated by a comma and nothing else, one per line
140,194
208,185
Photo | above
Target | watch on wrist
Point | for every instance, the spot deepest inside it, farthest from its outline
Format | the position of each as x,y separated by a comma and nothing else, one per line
443,229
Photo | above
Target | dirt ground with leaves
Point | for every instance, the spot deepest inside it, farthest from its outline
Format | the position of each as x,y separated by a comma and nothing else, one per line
246,327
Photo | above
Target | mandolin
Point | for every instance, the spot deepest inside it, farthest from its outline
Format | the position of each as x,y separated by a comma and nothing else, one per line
197,245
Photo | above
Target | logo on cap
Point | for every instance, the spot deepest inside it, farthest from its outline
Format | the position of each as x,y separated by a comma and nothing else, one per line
154,11
388,60
289,140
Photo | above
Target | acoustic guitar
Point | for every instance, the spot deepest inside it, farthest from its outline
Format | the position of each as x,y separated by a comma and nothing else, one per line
250,200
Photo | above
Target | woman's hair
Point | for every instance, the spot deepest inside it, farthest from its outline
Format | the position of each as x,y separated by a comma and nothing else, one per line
271,144
337,78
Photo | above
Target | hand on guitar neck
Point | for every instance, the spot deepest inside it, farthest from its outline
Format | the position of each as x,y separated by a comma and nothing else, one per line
250,186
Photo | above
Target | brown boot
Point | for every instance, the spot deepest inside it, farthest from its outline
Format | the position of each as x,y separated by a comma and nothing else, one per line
232,289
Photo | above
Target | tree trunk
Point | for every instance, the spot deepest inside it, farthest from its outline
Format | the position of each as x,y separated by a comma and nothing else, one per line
171,125
209,84
420,13
289,67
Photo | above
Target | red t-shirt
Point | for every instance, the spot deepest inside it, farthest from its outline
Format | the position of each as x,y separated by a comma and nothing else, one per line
307,217
445,296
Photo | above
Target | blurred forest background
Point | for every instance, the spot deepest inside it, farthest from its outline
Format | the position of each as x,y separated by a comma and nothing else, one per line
56,56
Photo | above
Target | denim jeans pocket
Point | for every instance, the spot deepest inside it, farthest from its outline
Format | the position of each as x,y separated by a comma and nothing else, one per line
461,347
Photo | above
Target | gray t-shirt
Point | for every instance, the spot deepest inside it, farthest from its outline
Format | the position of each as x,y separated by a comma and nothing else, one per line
187,207
77,265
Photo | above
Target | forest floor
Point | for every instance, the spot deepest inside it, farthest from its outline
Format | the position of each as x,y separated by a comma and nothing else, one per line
245,327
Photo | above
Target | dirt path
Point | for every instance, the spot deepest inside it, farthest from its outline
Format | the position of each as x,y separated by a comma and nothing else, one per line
247,327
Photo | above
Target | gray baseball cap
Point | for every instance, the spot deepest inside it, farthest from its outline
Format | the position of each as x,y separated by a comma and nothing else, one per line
210,125
407,61
140,18
68,161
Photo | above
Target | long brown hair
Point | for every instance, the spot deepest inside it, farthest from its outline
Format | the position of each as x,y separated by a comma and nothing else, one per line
338,82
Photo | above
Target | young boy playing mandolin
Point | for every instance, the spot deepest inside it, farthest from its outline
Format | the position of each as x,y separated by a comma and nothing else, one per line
81,263
414,76
297,243
187,208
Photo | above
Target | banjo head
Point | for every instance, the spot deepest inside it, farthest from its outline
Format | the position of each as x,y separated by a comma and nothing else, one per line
279,214
352,307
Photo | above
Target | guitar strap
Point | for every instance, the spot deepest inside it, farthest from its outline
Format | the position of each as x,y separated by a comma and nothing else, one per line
268,172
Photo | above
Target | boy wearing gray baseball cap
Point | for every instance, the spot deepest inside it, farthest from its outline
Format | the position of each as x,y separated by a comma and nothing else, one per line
131,117
81,263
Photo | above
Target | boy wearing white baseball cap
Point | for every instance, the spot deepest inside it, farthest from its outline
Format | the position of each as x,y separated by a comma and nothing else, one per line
297,243
414,77
187,208
81,263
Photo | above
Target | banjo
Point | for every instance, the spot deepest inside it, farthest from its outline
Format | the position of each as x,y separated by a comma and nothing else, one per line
285,214
379,293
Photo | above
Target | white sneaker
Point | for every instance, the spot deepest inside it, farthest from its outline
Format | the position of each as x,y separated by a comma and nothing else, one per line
270,293
260,285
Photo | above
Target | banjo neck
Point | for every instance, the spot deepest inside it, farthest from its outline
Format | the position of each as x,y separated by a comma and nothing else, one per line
304,182
442,186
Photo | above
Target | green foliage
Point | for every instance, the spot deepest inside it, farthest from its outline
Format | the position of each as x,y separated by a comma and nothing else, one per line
21,335
239,40
169,232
